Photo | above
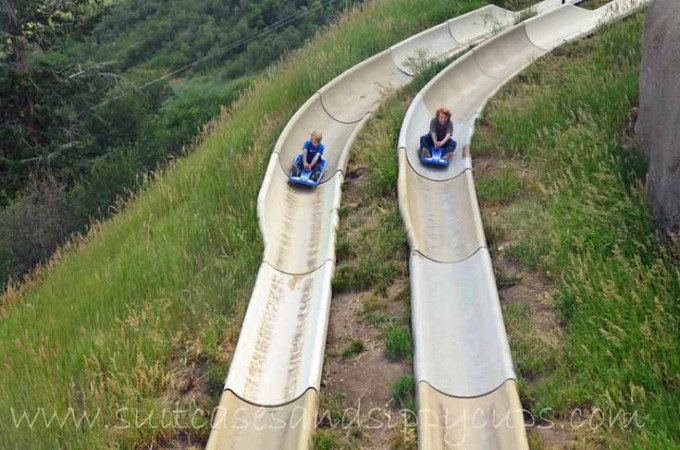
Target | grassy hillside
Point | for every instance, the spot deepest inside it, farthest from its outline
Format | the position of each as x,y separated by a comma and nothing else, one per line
591,292
109,93
167,34
140,318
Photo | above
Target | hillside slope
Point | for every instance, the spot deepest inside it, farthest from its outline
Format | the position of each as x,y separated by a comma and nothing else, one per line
589,289
118,93
138,321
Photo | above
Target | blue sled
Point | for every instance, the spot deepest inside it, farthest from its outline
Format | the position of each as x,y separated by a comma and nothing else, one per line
436,158
305,177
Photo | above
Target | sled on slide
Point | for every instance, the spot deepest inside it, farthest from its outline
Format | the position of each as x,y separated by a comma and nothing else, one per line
305,177
436,158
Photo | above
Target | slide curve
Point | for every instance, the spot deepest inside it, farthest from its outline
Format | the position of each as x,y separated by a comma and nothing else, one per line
270,397
466,385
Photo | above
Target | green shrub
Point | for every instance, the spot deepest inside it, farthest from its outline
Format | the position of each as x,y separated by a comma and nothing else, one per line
397,343
403,392
354,348
324,441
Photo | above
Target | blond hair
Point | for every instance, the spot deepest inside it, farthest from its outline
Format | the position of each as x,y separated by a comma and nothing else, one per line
316,135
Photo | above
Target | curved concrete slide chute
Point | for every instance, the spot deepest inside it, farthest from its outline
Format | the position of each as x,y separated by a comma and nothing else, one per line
462,358
271,393
489,20
447,211
481,23
423,48
496,420
282,343
447,39
459,33
461,89
573,21
503,59
462,348
312,116
239,425
357,92
298,224
466,85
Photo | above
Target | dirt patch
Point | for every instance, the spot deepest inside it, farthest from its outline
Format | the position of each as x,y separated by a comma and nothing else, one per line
527,288
490,165
559,435
356,366
365,379
185,443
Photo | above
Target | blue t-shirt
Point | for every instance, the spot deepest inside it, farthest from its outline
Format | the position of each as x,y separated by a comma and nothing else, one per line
312,151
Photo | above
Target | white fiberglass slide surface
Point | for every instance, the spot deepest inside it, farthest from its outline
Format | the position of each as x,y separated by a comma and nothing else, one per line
462,358
457,34
276,367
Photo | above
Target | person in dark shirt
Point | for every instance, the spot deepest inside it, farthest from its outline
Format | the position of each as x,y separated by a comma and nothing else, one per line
311,155
440,135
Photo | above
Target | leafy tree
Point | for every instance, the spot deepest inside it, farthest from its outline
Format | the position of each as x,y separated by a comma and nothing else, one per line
42,22
91,98
37,130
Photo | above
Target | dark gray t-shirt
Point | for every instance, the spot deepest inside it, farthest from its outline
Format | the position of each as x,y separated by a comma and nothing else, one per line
441,130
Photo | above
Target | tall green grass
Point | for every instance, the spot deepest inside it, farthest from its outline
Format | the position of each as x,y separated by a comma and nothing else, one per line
143,314
616,287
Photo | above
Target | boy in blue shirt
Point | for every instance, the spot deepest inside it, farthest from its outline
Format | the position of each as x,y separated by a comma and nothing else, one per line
311,155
